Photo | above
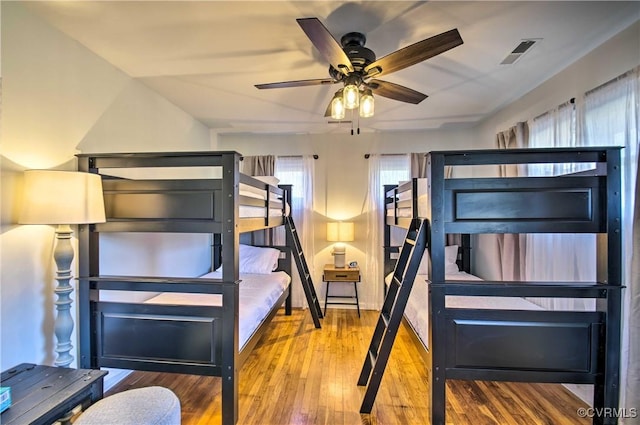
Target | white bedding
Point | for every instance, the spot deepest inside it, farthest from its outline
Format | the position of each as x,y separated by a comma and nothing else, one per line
247,211
423,202
258,293
417,310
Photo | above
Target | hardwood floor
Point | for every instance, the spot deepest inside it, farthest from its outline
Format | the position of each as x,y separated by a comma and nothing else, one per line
298,375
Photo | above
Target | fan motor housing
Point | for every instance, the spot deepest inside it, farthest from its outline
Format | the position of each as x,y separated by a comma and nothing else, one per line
360,56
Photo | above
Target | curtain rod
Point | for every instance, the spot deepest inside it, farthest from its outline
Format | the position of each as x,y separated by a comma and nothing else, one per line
613,80
367,155
288,156
571,101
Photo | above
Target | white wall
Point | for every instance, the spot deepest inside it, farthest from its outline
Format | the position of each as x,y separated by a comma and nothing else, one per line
340,186
59,99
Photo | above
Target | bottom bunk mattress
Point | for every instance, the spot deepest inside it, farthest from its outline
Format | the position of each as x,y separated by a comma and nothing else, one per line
258,294
417,310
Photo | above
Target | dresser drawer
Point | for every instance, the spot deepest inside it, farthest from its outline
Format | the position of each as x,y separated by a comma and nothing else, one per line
337,275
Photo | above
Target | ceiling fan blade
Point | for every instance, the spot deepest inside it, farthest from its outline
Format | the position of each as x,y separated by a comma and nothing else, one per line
414,53
299,83
326,44
396,91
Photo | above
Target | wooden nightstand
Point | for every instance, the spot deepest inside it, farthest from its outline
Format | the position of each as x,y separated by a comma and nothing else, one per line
341,274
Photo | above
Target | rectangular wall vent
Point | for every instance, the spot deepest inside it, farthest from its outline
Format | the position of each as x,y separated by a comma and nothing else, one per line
520,50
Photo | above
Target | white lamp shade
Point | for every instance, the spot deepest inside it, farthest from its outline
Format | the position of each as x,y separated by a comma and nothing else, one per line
340,232
62,197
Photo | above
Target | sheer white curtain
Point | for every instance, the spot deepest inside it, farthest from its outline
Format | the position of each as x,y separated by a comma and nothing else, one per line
299,171
559,257
611,117
607,116
383,169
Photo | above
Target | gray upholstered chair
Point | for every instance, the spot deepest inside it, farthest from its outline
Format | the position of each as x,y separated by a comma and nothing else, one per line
140,406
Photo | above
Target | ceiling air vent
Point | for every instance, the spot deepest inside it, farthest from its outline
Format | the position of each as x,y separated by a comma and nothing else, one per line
520,50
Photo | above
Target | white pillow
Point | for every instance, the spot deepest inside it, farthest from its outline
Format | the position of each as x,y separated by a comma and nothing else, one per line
246,189
258,260
450,254
252,191
273,181
450,257
451,268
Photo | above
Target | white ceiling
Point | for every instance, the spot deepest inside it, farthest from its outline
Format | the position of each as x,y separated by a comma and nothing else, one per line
206,56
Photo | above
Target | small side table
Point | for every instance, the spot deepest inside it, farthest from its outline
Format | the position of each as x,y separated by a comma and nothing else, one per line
45,394
341,274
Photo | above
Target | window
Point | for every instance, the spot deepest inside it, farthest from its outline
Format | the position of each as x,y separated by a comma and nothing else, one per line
298,171
394,168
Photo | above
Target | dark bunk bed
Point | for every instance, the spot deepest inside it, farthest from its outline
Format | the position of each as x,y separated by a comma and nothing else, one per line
509,344
192,339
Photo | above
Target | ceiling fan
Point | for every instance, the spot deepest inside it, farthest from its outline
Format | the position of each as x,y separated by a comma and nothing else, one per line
357,68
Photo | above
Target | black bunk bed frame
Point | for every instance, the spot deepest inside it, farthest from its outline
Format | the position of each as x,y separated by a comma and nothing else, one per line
511,345
199,340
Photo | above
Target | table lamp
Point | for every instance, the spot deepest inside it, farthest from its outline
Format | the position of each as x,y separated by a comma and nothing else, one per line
62,198
340,231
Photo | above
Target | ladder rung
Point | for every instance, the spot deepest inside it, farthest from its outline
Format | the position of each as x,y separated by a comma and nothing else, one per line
372,358
410,241
396,281
386,317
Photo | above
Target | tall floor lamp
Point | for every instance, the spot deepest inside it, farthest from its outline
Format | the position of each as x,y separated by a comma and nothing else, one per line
62,198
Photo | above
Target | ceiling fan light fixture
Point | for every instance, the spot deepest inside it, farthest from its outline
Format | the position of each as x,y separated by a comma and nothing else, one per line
351,96
366,104
355,66
351,92
337,106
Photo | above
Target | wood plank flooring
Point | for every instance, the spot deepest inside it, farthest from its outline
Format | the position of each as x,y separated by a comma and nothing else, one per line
298,375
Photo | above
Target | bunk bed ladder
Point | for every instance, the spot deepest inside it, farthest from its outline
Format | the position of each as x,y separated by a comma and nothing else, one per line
392,311
305,275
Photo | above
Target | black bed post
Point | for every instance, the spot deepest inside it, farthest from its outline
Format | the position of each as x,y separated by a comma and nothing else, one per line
436,244
388,263
88,265
230,295
289,242
609,270
216,248
465,263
